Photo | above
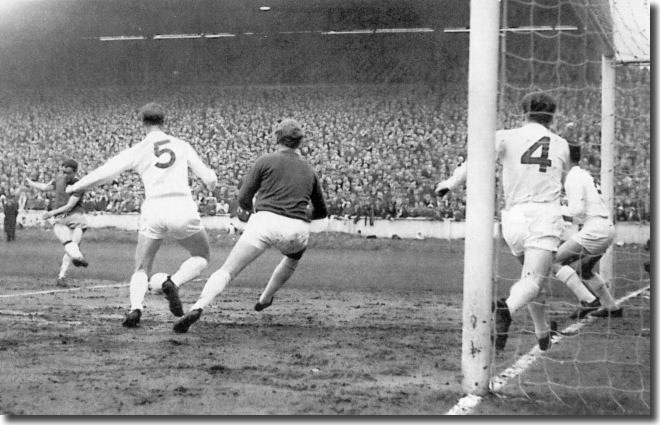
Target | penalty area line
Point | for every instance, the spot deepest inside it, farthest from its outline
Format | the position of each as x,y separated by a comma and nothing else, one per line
468,403
53,291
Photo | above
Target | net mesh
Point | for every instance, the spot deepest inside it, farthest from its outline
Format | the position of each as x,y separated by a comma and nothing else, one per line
601,360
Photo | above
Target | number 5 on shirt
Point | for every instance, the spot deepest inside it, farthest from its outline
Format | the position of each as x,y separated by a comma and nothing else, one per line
158,152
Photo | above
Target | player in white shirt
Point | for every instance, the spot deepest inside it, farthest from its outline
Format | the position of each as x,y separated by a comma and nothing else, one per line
534,163
168,209
583,250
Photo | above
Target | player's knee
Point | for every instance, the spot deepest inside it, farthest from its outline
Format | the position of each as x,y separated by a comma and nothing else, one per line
202,262
566,261
595,283
540,297
296,256
556,267
221,274
142,267
586,271
290,263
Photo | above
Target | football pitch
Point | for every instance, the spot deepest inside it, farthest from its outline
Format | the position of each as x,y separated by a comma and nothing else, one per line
364,327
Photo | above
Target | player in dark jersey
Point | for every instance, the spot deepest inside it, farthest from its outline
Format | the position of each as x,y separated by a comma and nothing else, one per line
10,208
69,219
284,185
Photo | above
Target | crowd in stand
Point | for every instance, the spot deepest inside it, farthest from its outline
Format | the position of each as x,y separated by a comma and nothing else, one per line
379,150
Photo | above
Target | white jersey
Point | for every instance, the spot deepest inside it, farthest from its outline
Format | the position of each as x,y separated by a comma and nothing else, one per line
162,162
583,196
534,161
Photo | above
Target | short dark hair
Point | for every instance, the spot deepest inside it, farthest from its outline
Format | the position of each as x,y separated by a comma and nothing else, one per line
289,133
539,107
70,163
152,114
574,152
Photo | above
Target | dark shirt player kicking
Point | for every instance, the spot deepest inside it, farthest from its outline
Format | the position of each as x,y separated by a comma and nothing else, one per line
284,184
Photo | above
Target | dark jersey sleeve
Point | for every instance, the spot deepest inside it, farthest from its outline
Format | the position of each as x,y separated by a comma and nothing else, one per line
249,186
318,203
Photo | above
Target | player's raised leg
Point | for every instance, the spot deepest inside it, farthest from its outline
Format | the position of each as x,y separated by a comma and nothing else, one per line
536,269
198,247
145,252
596,283
71,247
527,291
64,268
280,276
564,268
242,254
76,237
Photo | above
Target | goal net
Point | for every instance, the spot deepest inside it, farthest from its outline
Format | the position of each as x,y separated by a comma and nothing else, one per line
592,56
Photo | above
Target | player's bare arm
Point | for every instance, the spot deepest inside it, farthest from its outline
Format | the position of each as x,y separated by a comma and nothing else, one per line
200,169
112,168
44,187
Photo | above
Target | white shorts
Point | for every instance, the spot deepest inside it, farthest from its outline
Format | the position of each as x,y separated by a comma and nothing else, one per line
532,225
265,229
175,216
71,220
596,235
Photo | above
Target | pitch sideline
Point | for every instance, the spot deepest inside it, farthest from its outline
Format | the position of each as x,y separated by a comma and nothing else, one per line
468,403
53,291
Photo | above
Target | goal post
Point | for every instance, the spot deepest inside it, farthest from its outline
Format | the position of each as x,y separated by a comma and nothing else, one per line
608,111
480,195
594,58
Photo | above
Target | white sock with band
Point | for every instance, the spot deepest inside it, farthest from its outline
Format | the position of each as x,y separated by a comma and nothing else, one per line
537,311
66,263
216,284
567,275
72,248
137,289
190,269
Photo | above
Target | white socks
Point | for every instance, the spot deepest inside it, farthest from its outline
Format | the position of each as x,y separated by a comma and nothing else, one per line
190,269
216,284
137,289
567,275
537,311
66,263
521,293
281,274
73,250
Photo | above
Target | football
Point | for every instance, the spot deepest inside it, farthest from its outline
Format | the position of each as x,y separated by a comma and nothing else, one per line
156,283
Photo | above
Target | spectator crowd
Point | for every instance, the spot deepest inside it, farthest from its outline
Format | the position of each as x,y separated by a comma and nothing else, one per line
378,149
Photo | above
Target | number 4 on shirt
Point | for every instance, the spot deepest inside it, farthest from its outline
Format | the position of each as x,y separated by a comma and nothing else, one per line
542,160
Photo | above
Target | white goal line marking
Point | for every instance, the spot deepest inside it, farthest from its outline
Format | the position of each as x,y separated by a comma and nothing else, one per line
52,291
467,404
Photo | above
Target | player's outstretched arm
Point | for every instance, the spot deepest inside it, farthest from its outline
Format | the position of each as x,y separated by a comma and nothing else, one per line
112,168
457,178
575,197
200,169
40,186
